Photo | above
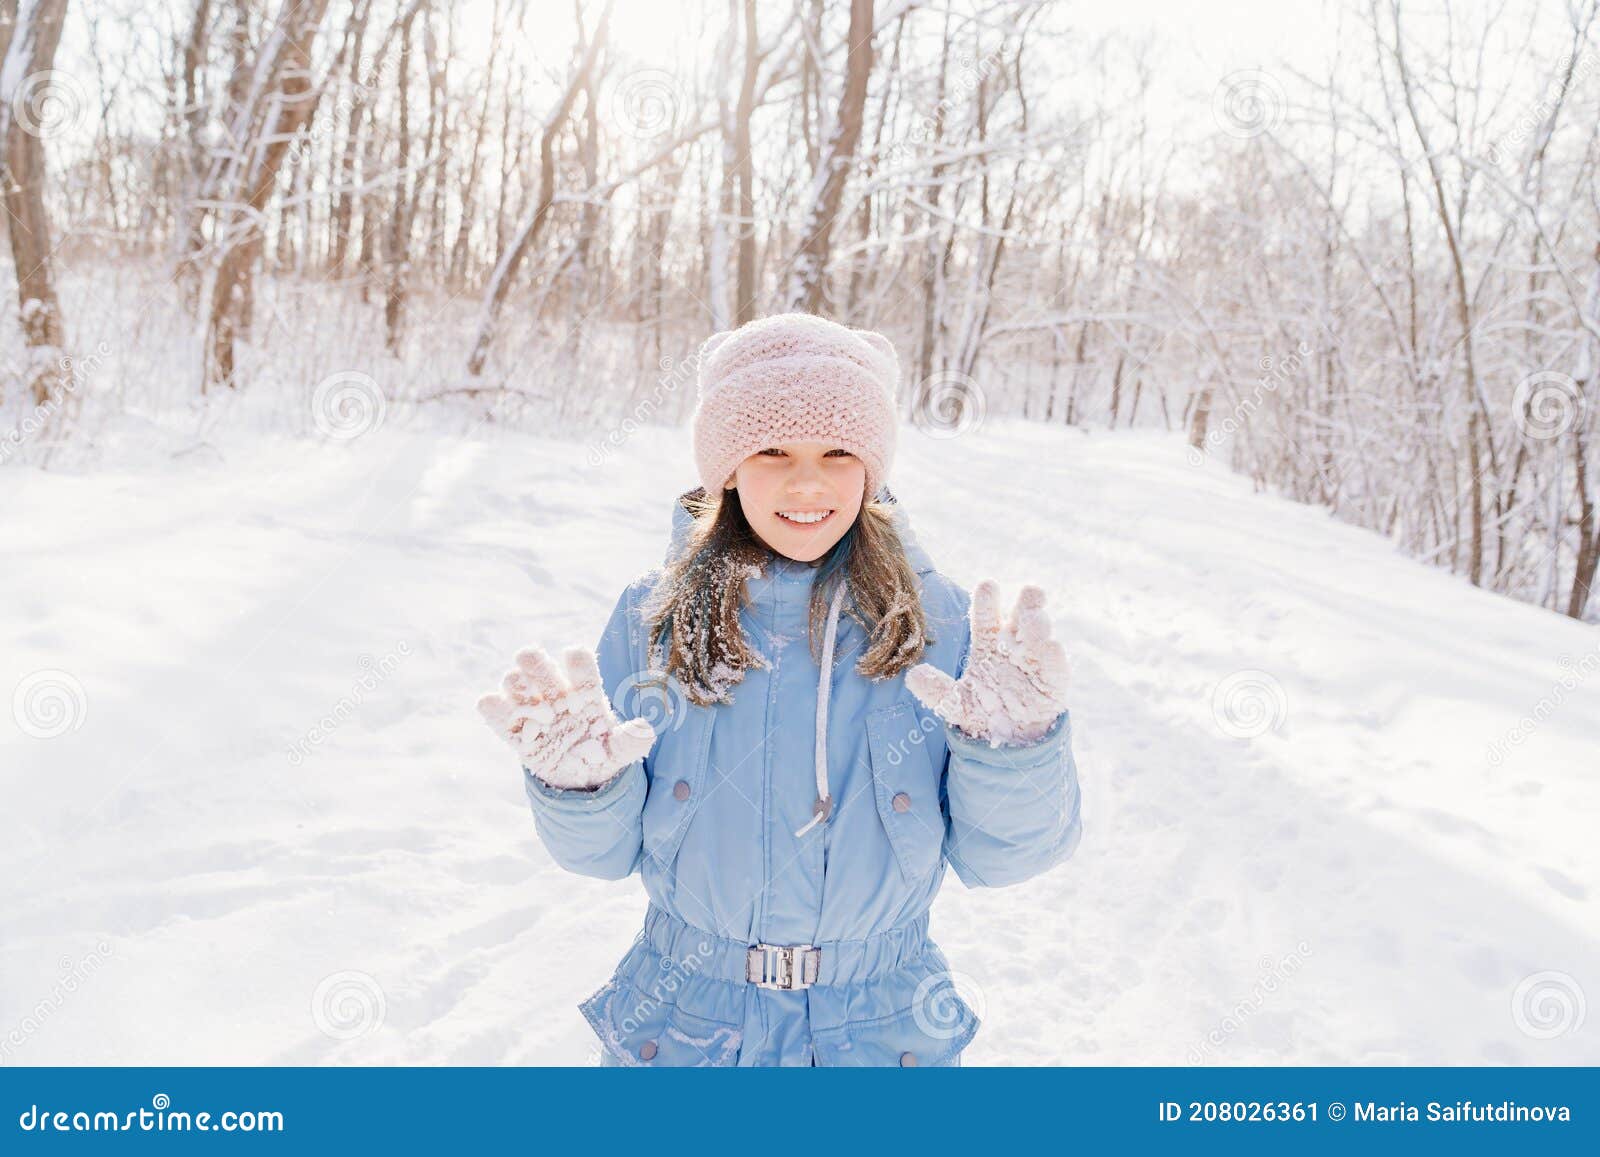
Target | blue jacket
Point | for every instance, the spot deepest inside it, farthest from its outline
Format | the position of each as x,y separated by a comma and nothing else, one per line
709,820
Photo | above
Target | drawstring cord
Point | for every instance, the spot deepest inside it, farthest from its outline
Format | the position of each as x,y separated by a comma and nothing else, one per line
823,808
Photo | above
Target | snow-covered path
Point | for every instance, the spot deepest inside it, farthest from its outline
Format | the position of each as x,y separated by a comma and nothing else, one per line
1315,830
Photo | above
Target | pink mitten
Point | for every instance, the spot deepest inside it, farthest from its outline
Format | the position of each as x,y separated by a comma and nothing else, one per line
1015,680
564,729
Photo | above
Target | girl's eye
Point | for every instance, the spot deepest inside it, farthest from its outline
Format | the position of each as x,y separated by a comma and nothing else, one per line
779,452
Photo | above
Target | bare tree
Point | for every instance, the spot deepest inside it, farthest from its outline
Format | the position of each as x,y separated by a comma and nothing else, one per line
807,280
27,52
511,258
397,242
345,177
281,101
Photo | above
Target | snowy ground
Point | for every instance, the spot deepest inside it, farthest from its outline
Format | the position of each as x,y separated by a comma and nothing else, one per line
1315,830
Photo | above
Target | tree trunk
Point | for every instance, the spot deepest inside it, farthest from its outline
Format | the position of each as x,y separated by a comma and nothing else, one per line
397,259
808,278
280,104
344,203
27,57
510,261
458,250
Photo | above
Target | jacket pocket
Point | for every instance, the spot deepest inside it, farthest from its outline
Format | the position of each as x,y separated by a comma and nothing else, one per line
676,784
907,1039
636,1028
906,786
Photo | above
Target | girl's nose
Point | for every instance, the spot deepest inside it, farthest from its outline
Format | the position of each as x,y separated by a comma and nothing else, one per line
808,478
806,493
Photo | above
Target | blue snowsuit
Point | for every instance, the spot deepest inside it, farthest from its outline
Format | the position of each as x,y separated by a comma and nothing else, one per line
709,818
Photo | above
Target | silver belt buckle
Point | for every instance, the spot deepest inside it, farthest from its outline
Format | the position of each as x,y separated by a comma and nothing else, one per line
785,966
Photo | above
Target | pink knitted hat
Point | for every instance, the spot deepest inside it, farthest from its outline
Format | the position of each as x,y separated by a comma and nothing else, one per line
795,377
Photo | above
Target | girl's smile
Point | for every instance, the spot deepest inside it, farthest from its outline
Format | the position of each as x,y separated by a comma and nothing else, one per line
806,517
801,497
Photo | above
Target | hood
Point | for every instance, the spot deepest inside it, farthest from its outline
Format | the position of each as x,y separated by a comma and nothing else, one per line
682,520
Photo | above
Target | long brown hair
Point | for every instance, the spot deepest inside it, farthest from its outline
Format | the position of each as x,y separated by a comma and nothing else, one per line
693,613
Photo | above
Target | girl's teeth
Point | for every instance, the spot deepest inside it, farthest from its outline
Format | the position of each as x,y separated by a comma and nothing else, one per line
795,517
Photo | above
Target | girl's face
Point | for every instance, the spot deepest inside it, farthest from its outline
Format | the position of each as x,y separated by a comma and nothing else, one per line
800,497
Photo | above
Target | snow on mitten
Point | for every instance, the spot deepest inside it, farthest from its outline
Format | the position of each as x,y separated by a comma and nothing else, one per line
1014,684
564,728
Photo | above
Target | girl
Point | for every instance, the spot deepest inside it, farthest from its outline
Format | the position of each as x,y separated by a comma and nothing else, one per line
792,830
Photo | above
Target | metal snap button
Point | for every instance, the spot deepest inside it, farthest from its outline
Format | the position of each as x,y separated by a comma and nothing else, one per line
647,1051
901,802
908,1060
680,790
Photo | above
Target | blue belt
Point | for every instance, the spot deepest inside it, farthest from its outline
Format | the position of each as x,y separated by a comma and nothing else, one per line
785,966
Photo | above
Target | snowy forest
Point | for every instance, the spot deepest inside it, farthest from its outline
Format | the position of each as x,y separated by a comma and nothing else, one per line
1369,281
